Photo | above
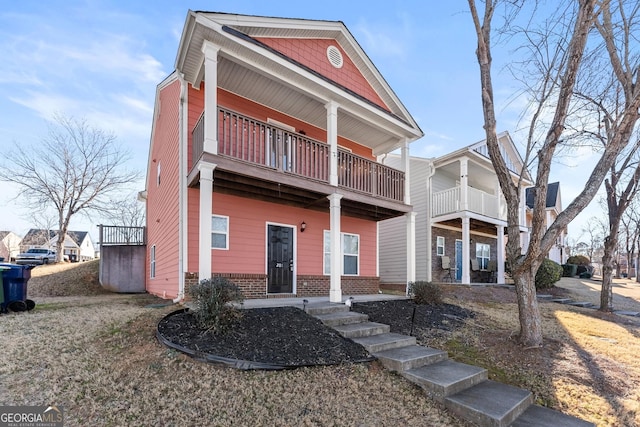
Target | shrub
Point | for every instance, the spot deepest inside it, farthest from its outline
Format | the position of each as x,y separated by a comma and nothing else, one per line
578,260
425,293
548,273
212,303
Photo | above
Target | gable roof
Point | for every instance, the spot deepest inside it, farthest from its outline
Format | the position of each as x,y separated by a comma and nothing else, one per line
553,191
38,236
480,151
252,64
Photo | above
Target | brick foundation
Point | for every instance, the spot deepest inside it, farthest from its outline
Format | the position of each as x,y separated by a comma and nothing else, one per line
255,285
450,236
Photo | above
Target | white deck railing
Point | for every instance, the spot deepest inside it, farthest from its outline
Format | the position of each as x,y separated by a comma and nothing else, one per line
450,201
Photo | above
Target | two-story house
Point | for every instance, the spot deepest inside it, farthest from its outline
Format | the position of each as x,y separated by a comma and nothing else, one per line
263,160
77,245
553,207
461,218
9,245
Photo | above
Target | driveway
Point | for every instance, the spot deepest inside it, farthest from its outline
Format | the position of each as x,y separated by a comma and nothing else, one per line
626,292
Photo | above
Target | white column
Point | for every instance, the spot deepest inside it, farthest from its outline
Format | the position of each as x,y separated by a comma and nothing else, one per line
210,97
406,161
464,182
206,209
332,140
335,290
466,263
500,253
411,248
429,187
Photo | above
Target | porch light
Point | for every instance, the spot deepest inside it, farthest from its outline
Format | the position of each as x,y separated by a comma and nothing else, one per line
303,226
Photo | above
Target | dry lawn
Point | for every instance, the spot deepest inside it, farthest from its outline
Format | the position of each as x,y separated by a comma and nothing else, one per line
96,355
588,367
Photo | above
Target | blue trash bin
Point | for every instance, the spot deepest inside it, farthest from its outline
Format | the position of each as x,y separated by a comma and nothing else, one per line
14,286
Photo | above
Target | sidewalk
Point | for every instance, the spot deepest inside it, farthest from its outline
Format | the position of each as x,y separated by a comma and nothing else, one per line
626,292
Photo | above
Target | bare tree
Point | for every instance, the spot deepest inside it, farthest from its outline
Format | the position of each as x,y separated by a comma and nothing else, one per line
594,229
129,215
73,170
557,51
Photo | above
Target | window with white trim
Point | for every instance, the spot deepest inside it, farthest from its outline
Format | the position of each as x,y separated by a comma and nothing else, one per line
219,232
152,262
440,245
482,255
350,244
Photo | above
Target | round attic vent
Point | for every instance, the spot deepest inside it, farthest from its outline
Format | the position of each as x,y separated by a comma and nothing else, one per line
334,56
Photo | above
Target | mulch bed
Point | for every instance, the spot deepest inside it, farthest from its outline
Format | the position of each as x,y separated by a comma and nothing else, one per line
281,337
286,337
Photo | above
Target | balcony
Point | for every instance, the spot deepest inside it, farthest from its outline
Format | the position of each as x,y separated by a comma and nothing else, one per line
449,201
264,145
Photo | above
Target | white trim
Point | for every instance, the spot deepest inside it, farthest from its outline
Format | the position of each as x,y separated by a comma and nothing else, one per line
152,262
226,234
438,246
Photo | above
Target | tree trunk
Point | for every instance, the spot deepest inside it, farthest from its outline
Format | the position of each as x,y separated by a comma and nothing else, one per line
606,293
529,313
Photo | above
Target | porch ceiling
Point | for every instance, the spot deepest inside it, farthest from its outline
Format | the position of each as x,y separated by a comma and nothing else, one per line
475,225
479,176
295,102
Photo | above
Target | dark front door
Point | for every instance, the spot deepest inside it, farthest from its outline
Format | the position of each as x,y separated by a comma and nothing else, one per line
280,259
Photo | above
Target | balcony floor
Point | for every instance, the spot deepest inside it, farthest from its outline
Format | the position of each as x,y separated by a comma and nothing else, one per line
246,180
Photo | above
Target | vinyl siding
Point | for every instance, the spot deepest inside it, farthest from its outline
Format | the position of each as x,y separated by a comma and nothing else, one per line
393,239
163,199
248,221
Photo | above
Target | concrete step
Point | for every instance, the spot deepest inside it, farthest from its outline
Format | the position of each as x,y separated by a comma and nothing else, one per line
490,403
325,307
445,378
537,416
409,357
627,313
562,300
585,304
381,342
341,318
365,329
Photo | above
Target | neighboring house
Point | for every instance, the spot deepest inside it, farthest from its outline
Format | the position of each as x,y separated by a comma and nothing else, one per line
77,244
9,245
263,160
461,218
553,207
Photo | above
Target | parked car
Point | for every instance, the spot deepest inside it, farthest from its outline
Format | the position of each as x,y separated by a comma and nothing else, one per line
35,256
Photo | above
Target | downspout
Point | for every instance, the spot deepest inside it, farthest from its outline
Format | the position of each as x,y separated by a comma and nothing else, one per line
182,174
430,173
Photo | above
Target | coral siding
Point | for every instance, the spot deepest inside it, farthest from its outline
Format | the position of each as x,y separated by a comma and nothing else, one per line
247,236
163,200
313,54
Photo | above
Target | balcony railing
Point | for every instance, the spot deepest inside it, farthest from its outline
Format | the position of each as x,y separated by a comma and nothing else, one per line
263,144
450,201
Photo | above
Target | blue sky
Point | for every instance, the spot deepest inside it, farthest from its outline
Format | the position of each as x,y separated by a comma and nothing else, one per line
101,60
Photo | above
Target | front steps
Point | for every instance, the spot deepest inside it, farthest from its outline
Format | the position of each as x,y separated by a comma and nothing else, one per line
464,389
